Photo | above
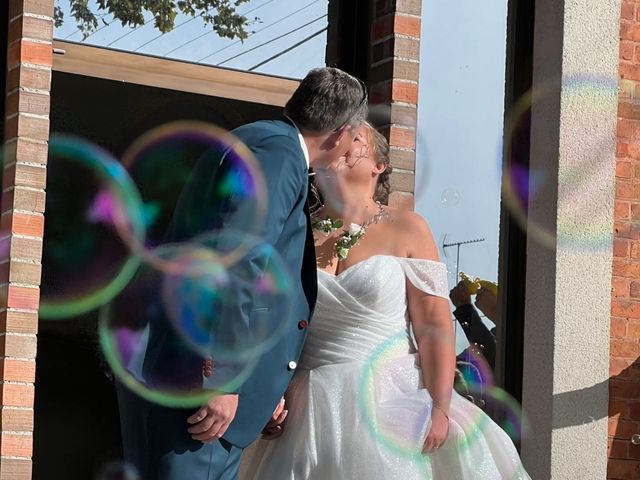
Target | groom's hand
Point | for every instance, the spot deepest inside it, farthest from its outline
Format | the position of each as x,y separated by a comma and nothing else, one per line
212,420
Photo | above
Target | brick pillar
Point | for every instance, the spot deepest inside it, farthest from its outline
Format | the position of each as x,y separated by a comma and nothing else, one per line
624,387
393,81
29,57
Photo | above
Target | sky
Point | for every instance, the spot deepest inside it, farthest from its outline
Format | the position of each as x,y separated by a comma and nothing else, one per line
192,40
461,100
460,124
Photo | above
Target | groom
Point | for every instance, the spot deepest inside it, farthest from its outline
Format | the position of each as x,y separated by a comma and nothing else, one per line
318,127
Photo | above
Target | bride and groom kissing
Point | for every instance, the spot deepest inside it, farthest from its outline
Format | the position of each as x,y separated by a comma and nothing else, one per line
364,273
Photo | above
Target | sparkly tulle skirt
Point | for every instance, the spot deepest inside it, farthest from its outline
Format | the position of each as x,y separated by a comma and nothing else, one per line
357,406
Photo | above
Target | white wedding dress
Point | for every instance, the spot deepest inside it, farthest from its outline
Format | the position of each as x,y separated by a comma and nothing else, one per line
357,405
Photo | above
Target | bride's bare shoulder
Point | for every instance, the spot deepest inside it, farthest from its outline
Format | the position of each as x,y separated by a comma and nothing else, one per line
414,233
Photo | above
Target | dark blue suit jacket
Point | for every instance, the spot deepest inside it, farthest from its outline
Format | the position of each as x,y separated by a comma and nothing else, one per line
276,147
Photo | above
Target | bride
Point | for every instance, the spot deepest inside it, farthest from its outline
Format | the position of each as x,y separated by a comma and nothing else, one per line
372,396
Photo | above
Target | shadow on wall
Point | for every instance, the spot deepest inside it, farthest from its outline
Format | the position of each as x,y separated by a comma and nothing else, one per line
623,391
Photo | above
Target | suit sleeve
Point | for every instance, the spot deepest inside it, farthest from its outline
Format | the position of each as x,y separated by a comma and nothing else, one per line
285,179
477,332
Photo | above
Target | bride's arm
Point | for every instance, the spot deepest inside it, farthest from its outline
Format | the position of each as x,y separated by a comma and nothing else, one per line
433,329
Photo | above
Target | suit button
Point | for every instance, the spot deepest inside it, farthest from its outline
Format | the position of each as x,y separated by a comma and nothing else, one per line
302,324
292,366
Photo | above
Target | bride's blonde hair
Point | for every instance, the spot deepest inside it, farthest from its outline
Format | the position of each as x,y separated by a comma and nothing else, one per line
381,151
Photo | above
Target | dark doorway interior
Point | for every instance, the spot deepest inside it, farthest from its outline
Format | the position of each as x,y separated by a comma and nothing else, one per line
76,419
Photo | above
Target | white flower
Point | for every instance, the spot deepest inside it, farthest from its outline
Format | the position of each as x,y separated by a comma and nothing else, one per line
343,253
355,229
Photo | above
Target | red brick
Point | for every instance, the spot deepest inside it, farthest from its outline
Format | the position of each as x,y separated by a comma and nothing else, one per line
15,469
402,137
618,327
21,346
630,72
34,103
23,298
619,449
633,331
19,322
622,210
16,420
623,389
37,28
626,50
406,25
37,7
626,128
28,77
623,469
405,159
406,92
629,110
634,289
402,182
26,248
16,370
17,395
628,10
23,199
26,51
25,273
620,248
625,348
628,190
626,308
626,269
406,48
14,445
617,367
411,7
25,224
635,250
621,150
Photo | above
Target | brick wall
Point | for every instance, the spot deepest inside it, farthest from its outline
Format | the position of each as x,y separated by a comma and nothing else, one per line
624,387
391,70
393,81
29,57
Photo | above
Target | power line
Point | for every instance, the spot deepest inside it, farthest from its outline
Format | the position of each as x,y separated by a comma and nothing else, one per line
271,41
194,18
292,47
257,31
126,34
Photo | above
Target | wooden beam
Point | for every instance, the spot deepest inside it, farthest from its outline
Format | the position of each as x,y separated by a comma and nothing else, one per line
171,74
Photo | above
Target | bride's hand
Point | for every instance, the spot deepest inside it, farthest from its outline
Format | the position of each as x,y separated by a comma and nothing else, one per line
438,432
275,427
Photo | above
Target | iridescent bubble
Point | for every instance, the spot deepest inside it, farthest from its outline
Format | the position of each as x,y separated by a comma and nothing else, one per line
635,439
450,197
397,410
204,294
177,337
391,424
192,176
90,199
118,471
579,182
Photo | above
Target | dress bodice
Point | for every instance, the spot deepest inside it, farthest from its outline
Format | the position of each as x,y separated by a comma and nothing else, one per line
364,305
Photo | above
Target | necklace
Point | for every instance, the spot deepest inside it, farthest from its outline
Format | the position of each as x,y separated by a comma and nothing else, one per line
349,238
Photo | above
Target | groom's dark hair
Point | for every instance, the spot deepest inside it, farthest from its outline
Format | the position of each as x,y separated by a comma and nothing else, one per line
326,100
